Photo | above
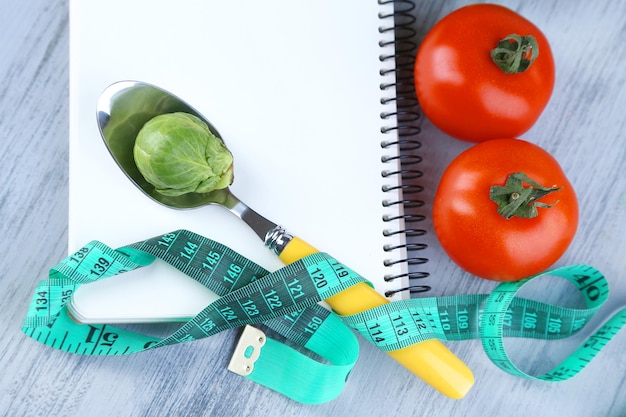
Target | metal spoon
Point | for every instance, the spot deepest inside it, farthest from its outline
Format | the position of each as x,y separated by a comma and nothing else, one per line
126,106
123,108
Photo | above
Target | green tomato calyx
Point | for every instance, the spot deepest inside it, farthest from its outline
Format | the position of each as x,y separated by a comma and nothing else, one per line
514,199
515,53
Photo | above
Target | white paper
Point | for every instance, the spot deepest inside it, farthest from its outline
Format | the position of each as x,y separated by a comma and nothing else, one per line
292,87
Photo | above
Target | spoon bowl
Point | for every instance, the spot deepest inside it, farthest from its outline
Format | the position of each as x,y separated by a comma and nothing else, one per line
122,110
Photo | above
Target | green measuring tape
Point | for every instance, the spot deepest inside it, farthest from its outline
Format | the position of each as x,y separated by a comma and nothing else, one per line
286,301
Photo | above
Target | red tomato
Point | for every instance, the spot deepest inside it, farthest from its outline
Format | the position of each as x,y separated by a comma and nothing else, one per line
464,92
481,240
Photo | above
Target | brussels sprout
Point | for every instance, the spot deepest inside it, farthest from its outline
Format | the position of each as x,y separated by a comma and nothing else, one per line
178,154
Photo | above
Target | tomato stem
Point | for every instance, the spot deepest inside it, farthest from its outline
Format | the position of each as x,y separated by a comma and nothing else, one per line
513,199
515,53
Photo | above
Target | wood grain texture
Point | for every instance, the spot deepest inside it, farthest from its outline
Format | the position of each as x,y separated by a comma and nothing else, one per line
583,127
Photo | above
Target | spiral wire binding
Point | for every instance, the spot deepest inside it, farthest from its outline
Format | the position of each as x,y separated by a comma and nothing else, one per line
406,114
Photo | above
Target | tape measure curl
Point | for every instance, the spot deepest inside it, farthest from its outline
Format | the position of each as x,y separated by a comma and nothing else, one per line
559,322
286,301
492,317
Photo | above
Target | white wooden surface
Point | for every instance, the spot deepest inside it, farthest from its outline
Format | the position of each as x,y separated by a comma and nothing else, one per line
583,127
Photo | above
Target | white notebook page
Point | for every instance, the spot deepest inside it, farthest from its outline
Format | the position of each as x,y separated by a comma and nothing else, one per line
293,87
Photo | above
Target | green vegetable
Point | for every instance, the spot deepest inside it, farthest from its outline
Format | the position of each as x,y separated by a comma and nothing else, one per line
178,154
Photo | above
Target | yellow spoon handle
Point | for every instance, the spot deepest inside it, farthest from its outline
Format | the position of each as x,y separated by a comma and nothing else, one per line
430,360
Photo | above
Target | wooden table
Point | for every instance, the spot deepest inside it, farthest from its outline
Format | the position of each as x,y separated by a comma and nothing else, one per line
583,127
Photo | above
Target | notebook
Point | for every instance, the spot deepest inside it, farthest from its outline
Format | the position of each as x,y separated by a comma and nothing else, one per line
303,94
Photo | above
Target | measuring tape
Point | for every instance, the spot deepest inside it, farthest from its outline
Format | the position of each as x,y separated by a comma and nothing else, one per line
492,317
286,301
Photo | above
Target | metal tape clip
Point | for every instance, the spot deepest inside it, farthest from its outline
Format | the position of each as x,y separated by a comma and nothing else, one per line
247,351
